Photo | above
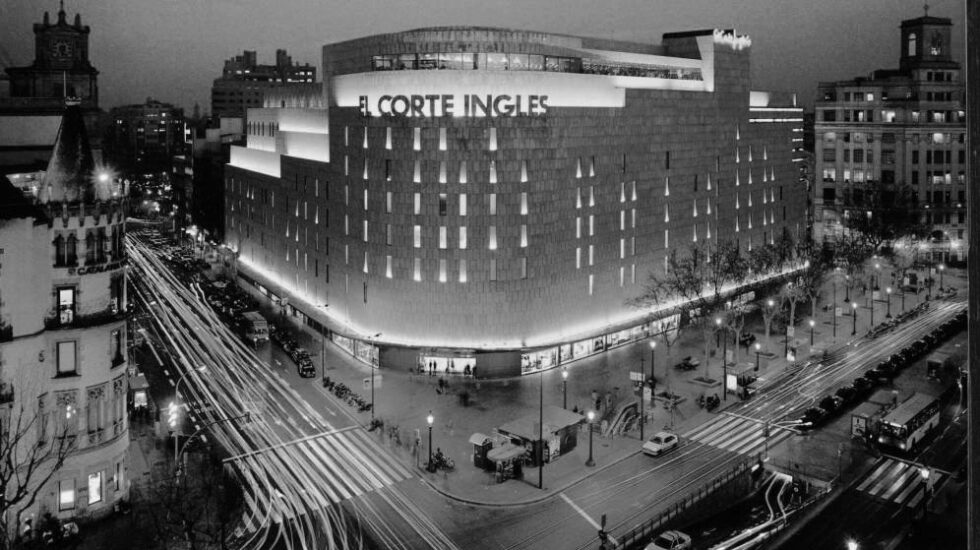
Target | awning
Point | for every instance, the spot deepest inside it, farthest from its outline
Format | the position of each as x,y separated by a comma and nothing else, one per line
479,439
507,451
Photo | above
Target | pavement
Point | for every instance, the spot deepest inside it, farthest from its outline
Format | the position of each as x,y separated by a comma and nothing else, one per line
404,399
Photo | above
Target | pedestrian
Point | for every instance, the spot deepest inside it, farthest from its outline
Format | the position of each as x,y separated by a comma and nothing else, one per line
595,399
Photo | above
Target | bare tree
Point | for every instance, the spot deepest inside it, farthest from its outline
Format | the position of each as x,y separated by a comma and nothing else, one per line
851,252
28,459
694,281
770,309
816,267
883,214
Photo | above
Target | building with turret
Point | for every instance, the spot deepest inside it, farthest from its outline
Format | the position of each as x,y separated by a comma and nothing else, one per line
63,360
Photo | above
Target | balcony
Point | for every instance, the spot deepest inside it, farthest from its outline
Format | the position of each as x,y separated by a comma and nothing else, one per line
96,436
70,318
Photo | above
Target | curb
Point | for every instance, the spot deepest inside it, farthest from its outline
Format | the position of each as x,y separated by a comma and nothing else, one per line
549,494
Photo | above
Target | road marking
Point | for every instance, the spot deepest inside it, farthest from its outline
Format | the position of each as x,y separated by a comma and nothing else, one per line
588,518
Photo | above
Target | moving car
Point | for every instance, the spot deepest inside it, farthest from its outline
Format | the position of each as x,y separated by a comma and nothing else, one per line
660,443
688,363
670,540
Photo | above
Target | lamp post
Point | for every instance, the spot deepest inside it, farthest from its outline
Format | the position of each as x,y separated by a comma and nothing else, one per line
942,269
833,312
758,347
724,360
564,387
847,288
429,420
854,328
877,276
872,308
541,429
812,323
200,368
888,294
591,417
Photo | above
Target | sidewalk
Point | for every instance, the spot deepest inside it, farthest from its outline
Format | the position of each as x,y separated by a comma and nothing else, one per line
405,398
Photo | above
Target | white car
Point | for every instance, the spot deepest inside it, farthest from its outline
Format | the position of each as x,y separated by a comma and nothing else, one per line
670,540
660,443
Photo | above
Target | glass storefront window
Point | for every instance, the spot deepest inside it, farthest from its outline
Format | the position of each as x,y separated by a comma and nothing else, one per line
66,494
518,62
535,62
497,62
443,364
95,488
428,61
407,61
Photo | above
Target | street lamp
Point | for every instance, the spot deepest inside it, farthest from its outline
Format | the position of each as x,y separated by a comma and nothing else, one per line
854,329
758,347
724,361
591,417
877,275
852,544
834,310
430,419
847,288
564,387
872,308
200,368
942,269
812,323
888,294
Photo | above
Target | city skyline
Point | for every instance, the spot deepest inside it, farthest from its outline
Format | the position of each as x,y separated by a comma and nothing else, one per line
787,56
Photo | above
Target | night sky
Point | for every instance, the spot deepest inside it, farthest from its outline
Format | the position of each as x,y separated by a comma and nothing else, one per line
173,49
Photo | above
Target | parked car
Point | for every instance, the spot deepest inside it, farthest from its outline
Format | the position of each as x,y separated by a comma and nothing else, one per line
670,540
861,385
831,404
688,363
812,417
847,394
746,339
660,443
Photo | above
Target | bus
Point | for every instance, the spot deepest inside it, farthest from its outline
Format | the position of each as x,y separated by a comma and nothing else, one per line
256,327
909,423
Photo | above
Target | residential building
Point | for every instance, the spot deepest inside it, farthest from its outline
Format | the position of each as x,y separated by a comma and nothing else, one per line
244,82
63,325
144,138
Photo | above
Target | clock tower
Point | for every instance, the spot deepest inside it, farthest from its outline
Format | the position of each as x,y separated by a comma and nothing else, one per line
61,67
926,43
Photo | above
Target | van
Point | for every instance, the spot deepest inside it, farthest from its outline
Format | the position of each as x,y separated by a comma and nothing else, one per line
256,327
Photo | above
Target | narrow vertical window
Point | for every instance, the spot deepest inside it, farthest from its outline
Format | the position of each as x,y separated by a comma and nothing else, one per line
417,139
365,145
578,227
633,218
666,238
462,171
365,203
591,254
442,270
493,139
591,195
524,171
493,269
443,204
622,220
622,248
524,204
578,167
578,197
592,166
523,236
462,204
493,171
443,237
417,172
388,202
442,171
387,169
388,266
622,191
388,138
493,204
523,268
388,234
493,237
417,236
346,136
591,284
591,225
462,237
365,231
417,271
578,257
365,174
622,275
417,197
462,270
442,139
365,261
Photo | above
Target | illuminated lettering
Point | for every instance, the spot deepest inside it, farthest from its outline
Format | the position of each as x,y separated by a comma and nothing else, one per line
436,105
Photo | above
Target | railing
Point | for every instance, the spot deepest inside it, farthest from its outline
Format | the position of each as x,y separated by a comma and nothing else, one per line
96,436
62,319
643,531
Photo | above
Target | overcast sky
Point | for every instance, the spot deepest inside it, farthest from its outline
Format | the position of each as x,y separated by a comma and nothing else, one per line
173,49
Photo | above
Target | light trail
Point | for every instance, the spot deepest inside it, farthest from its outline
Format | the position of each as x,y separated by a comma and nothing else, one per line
303,478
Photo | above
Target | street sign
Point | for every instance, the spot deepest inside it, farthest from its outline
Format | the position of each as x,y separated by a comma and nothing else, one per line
636,376
791,332
838,312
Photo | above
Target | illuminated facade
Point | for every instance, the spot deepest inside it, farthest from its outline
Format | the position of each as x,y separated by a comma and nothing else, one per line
899,127
63,326
493,197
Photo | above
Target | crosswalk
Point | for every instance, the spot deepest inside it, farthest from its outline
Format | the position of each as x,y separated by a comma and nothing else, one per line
738,434
899,482
347,463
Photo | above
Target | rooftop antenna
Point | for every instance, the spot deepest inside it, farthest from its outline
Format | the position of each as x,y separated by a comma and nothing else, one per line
62,4
924,7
